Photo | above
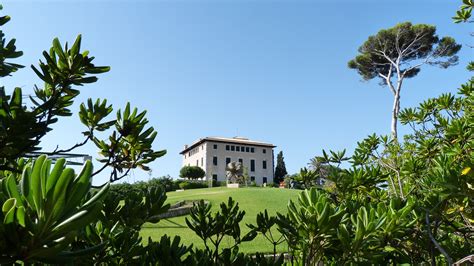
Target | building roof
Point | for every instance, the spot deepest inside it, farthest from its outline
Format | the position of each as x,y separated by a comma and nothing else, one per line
234,140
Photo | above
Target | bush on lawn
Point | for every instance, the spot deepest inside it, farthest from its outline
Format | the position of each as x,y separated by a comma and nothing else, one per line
192,185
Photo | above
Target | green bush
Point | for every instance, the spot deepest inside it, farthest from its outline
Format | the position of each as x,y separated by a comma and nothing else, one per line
121,191
218,183
165,181
192,185
192,172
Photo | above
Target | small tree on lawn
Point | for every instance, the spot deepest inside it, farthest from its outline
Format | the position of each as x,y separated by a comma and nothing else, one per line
398,53
192,172
280,169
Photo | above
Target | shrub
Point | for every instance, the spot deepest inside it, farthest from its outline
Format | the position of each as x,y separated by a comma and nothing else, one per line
218,183
192,185
165,181
121,191
191,172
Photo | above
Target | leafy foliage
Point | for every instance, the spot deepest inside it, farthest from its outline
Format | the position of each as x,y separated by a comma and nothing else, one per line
404,42
309,225
464,13
120,223
213,228
391,202
129,145
264,226
52,215
415,192
43,210
308,178
191,172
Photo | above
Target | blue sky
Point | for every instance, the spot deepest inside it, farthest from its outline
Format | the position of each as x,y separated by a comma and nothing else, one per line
274,71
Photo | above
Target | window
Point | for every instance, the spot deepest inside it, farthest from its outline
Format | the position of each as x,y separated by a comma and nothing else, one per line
252,178
232,148
252,165
242,149
264,164
237,148
247,149
214,177
214,160
241,161
215,146
184,156
197,162
227,161
202,161
252,150
202,147
264,151
264,180
227,147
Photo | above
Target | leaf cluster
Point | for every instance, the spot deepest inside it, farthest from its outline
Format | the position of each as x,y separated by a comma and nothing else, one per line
44,209
400,47
191,172
213,228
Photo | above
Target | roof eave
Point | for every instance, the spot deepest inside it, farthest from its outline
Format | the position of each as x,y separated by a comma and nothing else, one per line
224,141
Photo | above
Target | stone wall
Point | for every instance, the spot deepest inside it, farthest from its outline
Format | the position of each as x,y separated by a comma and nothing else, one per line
178,209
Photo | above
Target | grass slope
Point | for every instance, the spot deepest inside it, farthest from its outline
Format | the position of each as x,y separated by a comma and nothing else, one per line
252,200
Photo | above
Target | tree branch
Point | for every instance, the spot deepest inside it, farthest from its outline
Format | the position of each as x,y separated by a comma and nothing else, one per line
416,39
437,245
382,53
56,151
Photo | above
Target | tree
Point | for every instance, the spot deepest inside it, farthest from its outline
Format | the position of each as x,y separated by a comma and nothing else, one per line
307,178
192,172
280,169
398,53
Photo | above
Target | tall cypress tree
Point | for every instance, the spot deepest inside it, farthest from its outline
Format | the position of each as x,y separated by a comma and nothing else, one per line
280,170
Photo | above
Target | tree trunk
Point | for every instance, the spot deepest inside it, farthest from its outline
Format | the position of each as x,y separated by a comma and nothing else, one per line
395,110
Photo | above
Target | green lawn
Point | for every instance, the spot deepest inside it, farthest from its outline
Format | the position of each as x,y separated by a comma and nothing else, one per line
252,200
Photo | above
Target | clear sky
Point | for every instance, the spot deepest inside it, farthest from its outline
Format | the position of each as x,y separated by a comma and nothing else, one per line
274,71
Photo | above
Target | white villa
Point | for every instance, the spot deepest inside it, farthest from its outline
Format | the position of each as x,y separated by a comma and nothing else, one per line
213,154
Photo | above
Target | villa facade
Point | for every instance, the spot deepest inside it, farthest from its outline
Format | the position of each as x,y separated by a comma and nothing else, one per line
212,154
